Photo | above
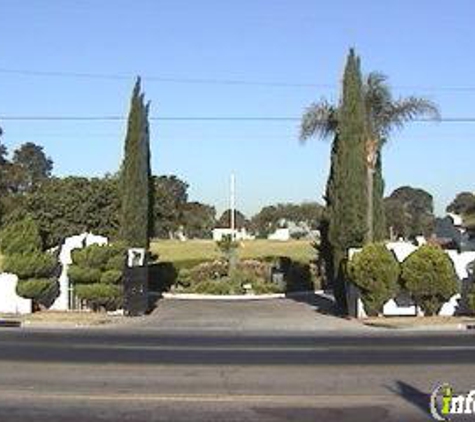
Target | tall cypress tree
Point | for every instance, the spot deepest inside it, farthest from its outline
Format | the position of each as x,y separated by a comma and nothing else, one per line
136,175
346,188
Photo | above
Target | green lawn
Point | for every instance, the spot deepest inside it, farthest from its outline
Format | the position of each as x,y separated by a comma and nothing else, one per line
175,251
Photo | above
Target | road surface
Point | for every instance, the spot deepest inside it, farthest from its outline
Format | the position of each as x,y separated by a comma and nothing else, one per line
133,374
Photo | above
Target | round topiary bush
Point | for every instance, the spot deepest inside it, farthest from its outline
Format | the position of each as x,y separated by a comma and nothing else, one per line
429,276
375,271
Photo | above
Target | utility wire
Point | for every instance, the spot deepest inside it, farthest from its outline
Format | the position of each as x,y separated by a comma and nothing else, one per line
207,118
211,81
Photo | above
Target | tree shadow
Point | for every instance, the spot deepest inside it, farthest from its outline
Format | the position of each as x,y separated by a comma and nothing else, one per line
321,303
412,395
161,276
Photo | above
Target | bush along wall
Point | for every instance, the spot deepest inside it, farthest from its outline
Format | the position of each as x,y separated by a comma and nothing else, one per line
429,276
37,270
97,275
375,271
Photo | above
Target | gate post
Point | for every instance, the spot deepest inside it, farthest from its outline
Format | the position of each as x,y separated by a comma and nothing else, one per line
136,283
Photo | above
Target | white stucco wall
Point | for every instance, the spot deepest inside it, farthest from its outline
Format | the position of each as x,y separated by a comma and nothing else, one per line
74,242
10,302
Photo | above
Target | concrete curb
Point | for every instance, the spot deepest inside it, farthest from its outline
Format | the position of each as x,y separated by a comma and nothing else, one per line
200,296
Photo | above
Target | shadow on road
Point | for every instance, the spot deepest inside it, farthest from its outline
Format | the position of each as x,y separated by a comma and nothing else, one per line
412,395
321,303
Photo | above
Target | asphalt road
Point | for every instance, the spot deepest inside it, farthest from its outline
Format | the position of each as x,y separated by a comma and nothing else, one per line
145,375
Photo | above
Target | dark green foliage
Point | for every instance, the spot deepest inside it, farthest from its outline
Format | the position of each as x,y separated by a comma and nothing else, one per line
380,231
73,205
33,165
429,275
409,212
101,257
30,265
375,271
464,203
42,291
136,190
471,299
100,296
198,220
346,188
171,197
111,277
84,275
240,220
97,274
20,237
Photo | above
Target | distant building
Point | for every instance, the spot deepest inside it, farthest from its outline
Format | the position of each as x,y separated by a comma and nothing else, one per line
239,234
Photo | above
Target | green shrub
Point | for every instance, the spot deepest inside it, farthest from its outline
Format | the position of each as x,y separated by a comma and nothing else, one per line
375,271
20,238
42,291
260,288
471,299
257,268
84,275
100,295
111,277
187,264
429,275
32,265
209,271
116,263
223,286
101,257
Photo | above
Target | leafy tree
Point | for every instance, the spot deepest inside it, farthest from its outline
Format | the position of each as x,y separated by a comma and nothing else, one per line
73,205
270,217
20,238
410,212
33,166
198,220
240,220
463,204
383,115
429,275
136,211
170,200
375,271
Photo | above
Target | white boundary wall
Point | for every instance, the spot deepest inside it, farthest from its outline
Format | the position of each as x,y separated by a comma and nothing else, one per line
10,302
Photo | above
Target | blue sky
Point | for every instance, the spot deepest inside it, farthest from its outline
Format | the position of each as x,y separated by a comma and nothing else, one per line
425,47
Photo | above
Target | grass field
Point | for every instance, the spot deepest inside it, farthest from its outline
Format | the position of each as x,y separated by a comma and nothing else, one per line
175,251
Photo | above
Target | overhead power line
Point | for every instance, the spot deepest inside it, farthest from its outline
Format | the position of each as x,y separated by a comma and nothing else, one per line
206,118
212,81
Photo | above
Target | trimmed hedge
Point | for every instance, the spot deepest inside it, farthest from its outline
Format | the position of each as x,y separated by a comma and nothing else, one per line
42,291
100,295
82,275
20,238
30,265
429,275
97,272
375,271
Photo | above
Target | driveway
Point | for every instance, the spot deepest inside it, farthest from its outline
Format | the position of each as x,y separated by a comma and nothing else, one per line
302,313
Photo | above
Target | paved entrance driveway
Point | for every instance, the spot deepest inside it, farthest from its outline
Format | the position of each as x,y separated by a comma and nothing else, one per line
307,313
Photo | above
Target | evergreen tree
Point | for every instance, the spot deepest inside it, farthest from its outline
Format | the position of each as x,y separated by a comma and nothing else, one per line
346,189
136,193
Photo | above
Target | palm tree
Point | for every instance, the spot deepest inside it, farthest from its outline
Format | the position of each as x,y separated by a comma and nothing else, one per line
383,113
